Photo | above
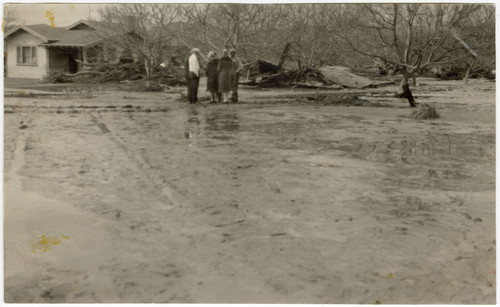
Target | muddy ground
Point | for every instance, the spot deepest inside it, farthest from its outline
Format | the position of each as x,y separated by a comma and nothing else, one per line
120,197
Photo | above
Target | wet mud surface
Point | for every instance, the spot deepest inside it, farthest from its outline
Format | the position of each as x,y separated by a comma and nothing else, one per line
251,203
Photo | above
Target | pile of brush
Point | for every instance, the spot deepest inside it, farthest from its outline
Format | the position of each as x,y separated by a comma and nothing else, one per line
306,78
424,111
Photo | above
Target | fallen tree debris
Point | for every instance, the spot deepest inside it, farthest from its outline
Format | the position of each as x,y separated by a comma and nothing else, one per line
83,73
265,74
343,76
316,84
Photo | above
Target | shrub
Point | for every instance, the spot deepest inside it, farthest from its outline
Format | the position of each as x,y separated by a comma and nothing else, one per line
424,111
483,73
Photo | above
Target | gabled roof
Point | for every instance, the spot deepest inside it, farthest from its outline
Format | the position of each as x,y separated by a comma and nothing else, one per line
47,31
76,38
44,32
83,25
80,34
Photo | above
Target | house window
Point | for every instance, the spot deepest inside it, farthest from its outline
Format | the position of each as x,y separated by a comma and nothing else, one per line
26,55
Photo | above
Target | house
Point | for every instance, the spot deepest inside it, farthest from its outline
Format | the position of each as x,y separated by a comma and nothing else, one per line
32,51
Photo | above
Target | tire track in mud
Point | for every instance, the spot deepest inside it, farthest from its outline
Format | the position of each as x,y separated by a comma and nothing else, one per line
18,153
75,109
19,286
173,285
44,288
18,158
216,222
166,190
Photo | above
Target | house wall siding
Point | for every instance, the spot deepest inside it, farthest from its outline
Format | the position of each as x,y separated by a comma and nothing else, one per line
15,70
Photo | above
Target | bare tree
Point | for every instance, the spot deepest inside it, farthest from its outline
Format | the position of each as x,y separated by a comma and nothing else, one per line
141,28
10,17
309,27
409,37
299,20
254,30
477,36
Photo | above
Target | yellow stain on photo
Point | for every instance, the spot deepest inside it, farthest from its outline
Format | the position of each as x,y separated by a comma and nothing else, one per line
46,243
50,16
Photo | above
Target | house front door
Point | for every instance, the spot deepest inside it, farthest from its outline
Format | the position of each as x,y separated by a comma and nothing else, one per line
72,64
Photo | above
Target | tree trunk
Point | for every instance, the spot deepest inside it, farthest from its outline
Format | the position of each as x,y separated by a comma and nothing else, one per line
147,67
283,56
467,72
405,89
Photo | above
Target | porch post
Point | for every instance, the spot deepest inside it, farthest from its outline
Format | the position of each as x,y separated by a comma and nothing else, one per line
84,56
47,61
79,56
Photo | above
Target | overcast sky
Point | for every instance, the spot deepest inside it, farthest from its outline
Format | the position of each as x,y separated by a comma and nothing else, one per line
67,13
64,13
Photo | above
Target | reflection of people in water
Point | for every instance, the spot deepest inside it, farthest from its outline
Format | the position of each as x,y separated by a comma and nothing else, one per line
221,124
206,124
192,123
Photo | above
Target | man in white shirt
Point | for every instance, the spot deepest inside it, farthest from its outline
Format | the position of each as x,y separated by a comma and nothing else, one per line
193,75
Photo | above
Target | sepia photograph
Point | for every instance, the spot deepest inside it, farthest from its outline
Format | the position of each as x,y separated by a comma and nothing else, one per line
249,153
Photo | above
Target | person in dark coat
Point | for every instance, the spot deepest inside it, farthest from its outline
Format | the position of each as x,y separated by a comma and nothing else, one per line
235,76
225,69
213,77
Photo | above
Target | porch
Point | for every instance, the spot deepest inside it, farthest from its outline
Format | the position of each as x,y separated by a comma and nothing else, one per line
72,59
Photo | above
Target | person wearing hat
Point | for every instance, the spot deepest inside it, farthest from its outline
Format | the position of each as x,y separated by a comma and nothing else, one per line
225,70
235,74
193,75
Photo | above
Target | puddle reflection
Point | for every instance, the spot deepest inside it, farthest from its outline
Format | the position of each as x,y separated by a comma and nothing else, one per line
219,120
222,124
192,122
208,123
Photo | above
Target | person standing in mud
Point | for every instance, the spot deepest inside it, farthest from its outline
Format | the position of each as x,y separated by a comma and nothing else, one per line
212,78
193,75
224,70
235,75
